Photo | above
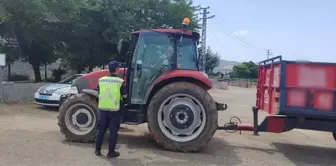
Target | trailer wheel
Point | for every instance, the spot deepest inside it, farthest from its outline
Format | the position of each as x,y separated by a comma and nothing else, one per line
78,118
334,135
182,117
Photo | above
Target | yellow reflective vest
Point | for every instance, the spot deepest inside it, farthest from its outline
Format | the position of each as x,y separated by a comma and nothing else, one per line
109,93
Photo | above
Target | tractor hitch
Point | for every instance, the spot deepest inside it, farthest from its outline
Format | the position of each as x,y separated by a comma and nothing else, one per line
233,127
235,124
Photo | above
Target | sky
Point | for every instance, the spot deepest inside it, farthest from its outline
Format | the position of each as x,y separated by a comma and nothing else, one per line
242,30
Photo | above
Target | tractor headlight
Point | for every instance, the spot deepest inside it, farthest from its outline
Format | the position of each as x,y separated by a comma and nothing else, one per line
73,90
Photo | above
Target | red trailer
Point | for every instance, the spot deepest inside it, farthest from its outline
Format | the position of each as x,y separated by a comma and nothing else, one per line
299,95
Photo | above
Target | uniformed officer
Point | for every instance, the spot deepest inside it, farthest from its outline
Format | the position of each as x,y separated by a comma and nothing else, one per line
111,90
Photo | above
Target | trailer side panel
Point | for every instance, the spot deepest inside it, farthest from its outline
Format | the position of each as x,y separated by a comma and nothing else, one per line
297,88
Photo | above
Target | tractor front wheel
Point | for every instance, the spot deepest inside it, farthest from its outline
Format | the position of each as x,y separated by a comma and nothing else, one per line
78,118
182,117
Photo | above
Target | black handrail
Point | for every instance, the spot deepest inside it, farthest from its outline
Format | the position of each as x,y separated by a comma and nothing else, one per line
271,60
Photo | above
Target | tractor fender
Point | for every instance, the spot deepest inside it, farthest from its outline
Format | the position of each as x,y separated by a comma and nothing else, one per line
91,92
194,77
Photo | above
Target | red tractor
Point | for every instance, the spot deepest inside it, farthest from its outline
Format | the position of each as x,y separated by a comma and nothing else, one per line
166,89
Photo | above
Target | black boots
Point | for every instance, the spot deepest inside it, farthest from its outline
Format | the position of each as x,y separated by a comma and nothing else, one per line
113,154
97,152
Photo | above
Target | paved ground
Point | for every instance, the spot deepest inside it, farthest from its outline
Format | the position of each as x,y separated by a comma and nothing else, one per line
29,136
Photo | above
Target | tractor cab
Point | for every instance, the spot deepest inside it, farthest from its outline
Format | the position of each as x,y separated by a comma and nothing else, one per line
151,54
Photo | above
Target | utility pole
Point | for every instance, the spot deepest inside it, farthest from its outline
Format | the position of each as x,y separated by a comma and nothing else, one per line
268,53
204,19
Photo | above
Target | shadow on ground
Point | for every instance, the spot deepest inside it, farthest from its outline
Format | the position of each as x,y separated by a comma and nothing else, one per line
144,148
303,154
46,108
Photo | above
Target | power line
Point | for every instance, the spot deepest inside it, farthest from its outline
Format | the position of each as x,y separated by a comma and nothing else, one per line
231,30
222,44
237,37
227,26
234,37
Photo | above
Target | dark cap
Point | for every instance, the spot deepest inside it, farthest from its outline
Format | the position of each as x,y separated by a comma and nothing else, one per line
113,65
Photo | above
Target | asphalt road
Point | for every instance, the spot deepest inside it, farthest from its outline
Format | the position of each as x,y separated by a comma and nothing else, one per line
29,135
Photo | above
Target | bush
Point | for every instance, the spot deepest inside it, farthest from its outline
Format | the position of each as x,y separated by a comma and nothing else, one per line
18,77
49,80
57,74
213,74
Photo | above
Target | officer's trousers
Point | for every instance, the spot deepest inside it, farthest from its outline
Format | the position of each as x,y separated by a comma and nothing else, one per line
111,120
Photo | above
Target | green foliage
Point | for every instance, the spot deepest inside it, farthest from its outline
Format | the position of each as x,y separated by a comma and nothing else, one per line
50,80
214,74
57,74
245,70
4,15
34,24
91,38
12,53
83,33
2,45
211,61
18,77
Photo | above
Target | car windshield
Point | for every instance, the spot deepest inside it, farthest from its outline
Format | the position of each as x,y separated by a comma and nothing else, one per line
70,79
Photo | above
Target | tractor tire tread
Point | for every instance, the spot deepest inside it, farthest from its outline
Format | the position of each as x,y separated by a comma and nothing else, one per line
209,105
79,98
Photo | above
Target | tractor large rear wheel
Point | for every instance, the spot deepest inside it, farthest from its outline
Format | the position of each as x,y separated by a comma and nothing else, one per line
78,118
182,117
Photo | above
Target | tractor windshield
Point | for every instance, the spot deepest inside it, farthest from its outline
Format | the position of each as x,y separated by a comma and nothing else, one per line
155,50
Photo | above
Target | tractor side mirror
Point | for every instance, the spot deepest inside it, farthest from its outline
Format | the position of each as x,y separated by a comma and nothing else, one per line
123,47
120,45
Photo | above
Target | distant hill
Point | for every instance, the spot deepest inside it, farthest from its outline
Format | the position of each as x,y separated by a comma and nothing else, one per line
226,66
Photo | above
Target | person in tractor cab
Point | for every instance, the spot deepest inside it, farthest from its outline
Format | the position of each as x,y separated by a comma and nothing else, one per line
111,90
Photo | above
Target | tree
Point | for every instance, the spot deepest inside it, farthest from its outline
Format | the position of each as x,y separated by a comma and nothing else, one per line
86,46
211,60
127,16
92,37
245,70
33,24
12,53
89,30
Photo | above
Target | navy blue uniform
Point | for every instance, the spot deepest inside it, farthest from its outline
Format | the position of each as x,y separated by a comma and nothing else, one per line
110,120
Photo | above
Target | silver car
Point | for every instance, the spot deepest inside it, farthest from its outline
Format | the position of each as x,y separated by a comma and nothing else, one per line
49,95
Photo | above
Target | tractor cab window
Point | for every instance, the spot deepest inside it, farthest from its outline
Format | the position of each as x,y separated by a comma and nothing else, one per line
154,55
155,50
187,58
